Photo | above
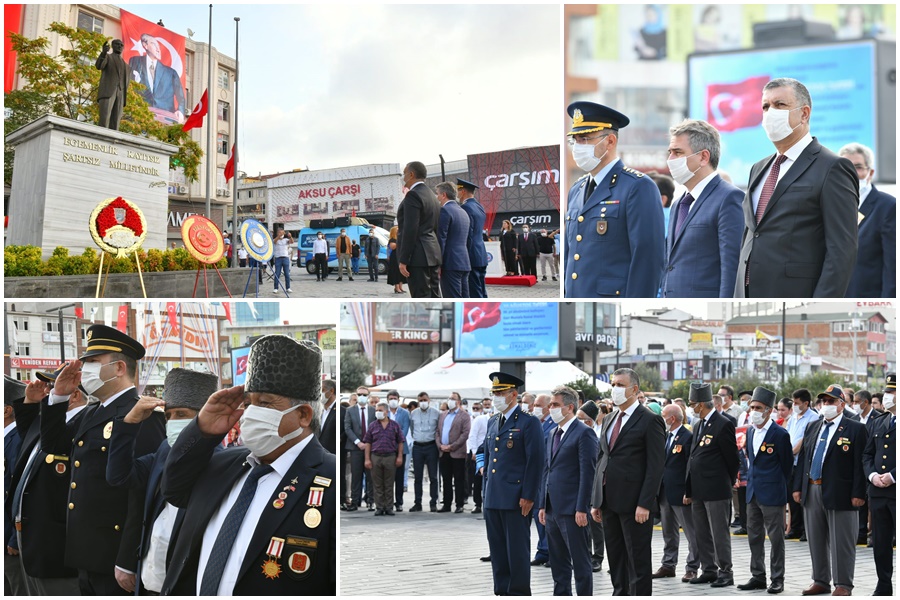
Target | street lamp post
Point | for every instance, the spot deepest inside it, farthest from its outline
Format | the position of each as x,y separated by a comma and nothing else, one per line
62,345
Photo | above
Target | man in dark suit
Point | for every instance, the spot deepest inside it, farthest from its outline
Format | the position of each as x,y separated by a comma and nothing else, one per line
328,436
478,258
95,542
528,250
513,457
112,95
875,274
373,250
673,512
13,584
564,501
880,468
162,82
260,519
800,208
830,483
712,471
626,484
451,436
703,240
185,392
418,217
771,461
453,233
359,419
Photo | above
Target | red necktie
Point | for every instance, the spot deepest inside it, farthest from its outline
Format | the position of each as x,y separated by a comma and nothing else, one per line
615,432
765,196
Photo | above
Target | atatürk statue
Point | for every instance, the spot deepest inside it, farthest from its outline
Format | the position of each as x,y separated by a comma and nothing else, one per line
113,84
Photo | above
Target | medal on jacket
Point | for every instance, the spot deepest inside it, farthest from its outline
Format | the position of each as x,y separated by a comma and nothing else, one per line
107,431
270,567
312,518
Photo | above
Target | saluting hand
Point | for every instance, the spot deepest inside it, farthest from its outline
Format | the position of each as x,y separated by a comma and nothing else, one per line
35,391
221,411
68,379
143,409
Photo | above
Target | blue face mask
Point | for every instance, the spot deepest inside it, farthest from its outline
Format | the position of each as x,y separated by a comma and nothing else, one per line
174,427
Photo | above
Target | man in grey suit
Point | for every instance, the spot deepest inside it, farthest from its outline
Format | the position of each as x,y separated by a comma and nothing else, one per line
418,216
800,210
357,421
703,240
113,90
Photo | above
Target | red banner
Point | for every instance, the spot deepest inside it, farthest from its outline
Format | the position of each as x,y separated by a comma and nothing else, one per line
156,59
122,322
12,20
733,106
21,362
173,315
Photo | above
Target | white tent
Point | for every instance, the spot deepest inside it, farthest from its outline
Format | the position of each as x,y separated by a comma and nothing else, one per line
442,376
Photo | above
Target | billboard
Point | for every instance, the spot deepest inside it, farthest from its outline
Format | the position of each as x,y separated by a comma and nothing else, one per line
488,331
156,60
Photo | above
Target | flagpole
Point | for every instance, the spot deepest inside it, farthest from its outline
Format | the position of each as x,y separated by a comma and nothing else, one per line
210,156
234,153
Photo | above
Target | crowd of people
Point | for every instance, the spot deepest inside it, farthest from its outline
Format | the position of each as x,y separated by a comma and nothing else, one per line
112,493
810,225
594,476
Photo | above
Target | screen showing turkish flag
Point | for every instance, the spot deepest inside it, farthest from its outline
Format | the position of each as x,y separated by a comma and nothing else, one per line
733,106
156,60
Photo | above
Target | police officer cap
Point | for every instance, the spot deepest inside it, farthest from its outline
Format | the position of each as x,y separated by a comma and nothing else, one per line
279,364
103,340
765,396
890,382
468,185
833,391
700,392
502,382
185,388
13,390
588,117
590,409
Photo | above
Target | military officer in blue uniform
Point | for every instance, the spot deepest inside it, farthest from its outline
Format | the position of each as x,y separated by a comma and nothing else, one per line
477,254
513,466
614,214
880,468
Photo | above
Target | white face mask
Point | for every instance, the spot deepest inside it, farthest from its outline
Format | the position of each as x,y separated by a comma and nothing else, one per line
174,427
864,187
776,122
829,411
500,403
689,413
423,404
618,396
557,414
795,409
451,404
887,401
476,412
379,414
853,409
362,399
393,403
259,429
538,412
90,376
757,418
679,169
583,154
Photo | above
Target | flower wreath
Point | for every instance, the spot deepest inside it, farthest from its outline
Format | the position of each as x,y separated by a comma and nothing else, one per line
118,226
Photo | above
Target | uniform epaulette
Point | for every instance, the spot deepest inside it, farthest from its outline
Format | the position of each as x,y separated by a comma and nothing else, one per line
631,171
583,179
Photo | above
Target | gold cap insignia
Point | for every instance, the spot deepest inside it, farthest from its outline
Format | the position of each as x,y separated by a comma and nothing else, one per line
577,118
90,335
496,381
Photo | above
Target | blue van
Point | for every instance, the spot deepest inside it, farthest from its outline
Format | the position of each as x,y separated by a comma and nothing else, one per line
357,233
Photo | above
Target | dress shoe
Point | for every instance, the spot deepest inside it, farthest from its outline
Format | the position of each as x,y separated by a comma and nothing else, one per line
485,558
416,508
434,508
815,589
753,584
476,510
340,278
841,591
688,576
388,512
722,582
459,510
596,565
547,565
777,587
741,531
663,572
352,507
538,562
351,279
861,539
444,509
704,578
792,535
803,537
343,506
371,507
398,508
379,512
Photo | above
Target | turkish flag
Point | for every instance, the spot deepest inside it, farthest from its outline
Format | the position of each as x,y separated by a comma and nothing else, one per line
227,306
173,316
79,312
733,106
196,118
480,315
241,365
122,323
229,166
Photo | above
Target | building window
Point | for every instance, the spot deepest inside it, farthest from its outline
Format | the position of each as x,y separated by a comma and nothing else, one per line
223,111
21,325
23,349
222,144
89,22
224,79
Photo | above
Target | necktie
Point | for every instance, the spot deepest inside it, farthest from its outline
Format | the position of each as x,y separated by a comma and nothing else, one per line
683,207
362,420
815,471
591,186
502,421
556,438
212,575
765,196
669,441
615,432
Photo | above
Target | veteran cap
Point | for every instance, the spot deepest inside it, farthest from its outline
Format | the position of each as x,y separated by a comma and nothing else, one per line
833,391
185,388
103,340
502,382
700,392
591,409
467,185
279,364
13,390
890,382
764,396
588,117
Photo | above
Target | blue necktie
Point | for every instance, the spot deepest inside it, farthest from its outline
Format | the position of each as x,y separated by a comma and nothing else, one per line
819,456
212,575
683,207
556,438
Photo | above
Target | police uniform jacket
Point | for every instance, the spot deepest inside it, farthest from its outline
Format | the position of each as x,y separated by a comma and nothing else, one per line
675,469
569,474
842,472
198,480
513,461
875,274
453,234
477,253
614,242
880,455
771,468
96,510
714,464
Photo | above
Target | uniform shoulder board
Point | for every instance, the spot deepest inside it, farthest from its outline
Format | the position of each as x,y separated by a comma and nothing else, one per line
633,172
583,179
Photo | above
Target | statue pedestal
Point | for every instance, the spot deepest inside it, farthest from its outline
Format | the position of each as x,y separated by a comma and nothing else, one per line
63,168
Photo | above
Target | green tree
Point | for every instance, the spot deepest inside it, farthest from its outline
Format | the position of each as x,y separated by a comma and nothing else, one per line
584,384
66,86
815,382
740,381
355,367
651,381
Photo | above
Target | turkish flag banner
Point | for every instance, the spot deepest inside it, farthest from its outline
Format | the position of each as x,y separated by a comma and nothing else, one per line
122,322
733,106
196,118
229,166
173,315
480,315
241,365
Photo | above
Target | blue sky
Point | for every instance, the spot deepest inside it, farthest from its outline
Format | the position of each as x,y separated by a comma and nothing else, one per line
326,86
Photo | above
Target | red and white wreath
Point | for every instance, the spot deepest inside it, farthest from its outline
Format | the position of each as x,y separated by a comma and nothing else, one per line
118,226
